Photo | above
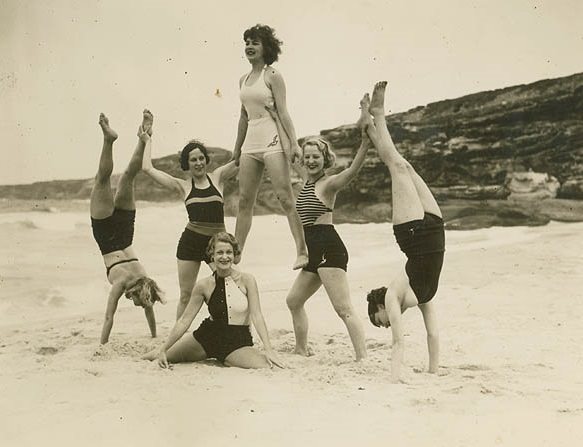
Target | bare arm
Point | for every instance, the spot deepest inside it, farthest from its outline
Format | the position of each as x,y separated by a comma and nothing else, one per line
225,172
151,318
343,178
258,320
277,85
157,175
114,296
397,353
430,320
183,323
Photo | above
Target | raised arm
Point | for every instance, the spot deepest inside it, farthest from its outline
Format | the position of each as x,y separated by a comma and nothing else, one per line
183,323
114,296
430,320
343,178
277,84
258,320
225,172
159,176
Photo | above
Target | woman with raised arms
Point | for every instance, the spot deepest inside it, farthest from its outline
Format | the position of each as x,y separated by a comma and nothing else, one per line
202,192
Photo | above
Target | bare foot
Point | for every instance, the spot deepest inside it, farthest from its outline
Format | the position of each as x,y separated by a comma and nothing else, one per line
147,122
301,262
377,103
109,134
304,352
365,119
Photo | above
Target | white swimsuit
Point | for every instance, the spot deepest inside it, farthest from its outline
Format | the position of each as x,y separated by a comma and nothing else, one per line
262,138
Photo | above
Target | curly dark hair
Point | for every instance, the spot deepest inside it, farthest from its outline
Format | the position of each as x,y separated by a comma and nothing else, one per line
271,44
223,236
374,298
192,145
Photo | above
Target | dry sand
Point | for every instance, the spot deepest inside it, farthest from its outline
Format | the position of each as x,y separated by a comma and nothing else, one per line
510,310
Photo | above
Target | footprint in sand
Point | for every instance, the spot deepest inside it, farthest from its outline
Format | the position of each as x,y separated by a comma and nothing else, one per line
473,368
372,345
48,350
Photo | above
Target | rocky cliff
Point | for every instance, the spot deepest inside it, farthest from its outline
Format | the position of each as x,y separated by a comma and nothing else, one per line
476,147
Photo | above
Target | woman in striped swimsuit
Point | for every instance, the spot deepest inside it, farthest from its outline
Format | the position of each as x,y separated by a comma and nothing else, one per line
328,257
203,198
232,298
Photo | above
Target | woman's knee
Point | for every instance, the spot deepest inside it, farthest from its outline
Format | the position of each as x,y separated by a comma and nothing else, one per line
286,200
246,200
294,303
344,311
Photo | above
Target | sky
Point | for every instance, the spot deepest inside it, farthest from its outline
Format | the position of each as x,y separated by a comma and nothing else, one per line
62,62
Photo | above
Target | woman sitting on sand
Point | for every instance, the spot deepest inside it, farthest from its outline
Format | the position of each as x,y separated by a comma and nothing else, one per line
418,228
328,257
232,298
112,220
258,144
203,198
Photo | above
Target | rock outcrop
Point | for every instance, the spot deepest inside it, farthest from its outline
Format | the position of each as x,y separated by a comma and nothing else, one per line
473,148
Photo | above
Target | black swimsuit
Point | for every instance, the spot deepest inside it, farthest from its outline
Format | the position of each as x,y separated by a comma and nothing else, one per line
325,248
206,217
423,241
221,333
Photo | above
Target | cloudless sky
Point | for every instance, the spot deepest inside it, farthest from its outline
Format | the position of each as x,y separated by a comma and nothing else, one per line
63,61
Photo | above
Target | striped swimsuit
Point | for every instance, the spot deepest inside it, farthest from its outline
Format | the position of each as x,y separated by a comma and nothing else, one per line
325,248
206,217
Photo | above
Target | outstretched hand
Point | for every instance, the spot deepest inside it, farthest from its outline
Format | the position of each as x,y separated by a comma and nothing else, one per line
163,360
273,359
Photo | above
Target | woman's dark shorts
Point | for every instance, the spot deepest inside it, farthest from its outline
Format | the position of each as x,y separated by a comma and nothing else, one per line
423,241
325,248
192,246
115,232
219,339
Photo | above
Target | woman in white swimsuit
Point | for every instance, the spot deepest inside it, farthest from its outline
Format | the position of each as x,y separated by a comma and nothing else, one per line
232,298
258,143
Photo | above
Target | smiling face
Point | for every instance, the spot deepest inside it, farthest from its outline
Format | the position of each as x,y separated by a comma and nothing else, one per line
197,163
313,159
254,49
223,255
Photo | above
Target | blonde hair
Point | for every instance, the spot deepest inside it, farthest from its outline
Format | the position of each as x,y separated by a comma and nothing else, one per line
324,147
223,236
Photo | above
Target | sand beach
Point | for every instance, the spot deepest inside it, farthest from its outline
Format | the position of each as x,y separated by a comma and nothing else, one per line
509,304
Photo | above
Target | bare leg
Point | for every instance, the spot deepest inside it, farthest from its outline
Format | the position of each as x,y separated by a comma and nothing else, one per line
305,285
101,203
406,203
250,174
278,169
247,357
187,274
124,197
336,284
187,349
